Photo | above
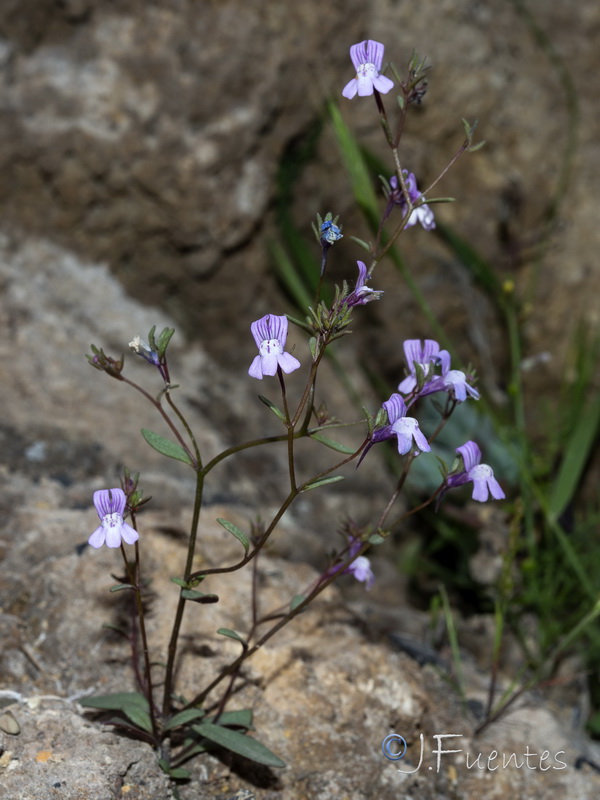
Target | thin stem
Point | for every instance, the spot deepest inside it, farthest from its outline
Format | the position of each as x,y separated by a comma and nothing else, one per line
185,424
134,579
290,430
172,650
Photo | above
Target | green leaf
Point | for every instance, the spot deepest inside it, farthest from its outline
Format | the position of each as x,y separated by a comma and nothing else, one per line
296,600
166,447
180,582
163,341
139,717
341,448
183,717
376,538
277,411
132,704
177,773
118,587
115,702
199,597
242,718
239,535
239,743
232,635
322,482
573,464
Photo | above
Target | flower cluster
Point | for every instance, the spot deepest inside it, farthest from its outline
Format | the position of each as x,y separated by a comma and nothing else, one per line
429,372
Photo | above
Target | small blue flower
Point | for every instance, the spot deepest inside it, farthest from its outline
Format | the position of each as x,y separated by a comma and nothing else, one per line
331,232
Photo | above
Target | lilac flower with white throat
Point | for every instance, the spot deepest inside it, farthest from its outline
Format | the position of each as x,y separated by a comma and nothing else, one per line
362,293
422,213
110,505
361,569
406,429
270,334
481,475
452,381
367,58
421,357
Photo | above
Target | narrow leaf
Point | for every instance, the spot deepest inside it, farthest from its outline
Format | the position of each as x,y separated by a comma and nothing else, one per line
199,597
239,535
163,341
239,743
323,482
341,448
177,773
139,717
296,600
232,635
183,717
573,464
277,411
120,586
166,447
242,718
117,701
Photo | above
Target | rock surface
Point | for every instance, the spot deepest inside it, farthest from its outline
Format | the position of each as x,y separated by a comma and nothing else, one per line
140,152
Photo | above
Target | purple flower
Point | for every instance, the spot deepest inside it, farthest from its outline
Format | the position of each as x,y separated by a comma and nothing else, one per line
110,505
406,429
424,355
452,381
270,334
435,366
362,293
360,568
144,350
481,475
367,58
423,213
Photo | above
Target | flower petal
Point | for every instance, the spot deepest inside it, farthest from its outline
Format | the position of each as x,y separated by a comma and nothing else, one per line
480,490
287,362
383,85
97,538
471,454
129,534
269,364
395,407
374,53
255,370
350,89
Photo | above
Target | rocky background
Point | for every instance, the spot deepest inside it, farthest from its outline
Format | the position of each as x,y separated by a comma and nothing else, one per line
141,151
